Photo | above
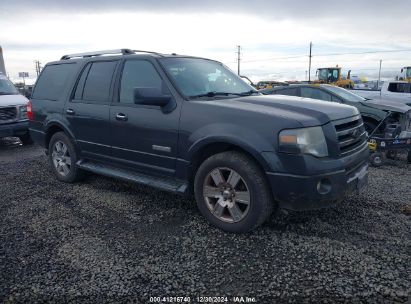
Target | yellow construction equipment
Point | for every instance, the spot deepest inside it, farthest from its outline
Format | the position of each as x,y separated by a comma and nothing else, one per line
407,71
333,76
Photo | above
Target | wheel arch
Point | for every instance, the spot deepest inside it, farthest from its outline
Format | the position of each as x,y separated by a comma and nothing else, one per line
54,127
370,119
201,151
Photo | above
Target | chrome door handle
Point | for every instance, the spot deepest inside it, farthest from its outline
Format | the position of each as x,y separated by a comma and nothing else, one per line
70,112
121,116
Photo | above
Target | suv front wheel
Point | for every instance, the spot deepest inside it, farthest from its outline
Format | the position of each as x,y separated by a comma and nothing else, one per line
63,158
232,193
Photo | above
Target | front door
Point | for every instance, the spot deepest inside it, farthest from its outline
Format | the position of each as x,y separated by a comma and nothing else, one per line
144,137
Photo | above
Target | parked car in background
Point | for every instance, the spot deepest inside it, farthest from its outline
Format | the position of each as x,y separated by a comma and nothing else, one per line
268,84
187,124
372,111
13,112
399,91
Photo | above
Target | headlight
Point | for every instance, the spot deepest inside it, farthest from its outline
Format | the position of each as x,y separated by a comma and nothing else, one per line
303,141
23,112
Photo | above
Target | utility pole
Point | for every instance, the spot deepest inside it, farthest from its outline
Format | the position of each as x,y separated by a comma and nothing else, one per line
238,59
38,67
379,76
2,66
309,63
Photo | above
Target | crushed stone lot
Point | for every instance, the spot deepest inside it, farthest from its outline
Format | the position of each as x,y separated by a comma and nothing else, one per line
106,240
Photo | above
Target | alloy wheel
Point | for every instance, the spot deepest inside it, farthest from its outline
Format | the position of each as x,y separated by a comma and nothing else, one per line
61,158
226,195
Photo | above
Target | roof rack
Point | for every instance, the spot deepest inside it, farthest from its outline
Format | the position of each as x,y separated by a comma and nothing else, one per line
107,52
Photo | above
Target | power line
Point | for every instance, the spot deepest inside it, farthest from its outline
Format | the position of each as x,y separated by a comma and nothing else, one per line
324,54
367,52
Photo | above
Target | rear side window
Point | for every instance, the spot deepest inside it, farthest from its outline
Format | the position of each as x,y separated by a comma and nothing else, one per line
288,91
399,87
98,78
53,81
98,82
315,94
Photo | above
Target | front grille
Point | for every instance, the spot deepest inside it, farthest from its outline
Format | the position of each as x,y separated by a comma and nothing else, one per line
8,114
351,135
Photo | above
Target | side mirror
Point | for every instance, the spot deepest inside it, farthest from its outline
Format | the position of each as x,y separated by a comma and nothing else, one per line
151,97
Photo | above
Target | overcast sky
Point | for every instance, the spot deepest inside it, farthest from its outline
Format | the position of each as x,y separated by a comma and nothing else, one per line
274,35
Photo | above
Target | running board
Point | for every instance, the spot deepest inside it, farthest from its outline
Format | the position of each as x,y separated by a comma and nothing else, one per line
162,183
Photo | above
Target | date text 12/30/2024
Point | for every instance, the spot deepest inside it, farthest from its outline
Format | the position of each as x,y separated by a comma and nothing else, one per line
239,299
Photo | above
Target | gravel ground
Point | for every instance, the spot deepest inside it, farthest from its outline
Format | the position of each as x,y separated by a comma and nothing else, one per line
110,241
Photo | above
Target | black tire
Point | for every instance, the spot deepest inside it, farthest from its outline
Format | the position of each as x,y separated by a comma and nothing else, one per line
377,159
74,174
26,139
391,154
409,157
261,203
370,126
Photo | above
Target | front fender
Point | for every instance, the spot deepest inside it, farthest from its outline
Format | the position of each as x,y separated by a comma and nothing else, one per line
244,138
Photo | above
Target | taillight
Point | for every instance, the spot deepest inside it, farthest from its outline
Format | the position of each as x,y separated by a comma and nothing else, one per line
30,113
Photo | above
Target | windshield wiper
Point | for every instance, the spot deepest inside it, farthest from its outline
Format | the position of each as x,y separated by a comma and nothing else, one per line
214,93
248,93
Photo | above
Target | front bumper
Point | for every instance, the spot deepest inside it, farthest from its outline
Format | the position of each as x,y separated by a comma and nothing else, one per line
319,190
14,129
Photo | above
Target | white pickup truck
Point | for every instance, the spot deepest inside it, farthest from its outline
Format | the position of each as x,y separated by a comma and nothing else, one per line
393,90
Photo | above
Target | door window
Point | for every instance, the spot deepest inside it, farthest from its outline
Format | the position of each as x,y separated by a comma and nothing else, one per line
399,87
138,74
315,94
97,82
288,91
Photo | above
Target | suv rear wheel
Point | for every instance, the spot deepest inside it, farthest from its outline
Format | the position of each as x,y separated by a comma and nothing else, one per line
232,193
63,158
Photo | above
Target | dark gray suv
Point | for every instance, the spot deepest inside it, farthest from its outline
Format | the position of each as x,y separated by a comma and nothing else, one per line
187,124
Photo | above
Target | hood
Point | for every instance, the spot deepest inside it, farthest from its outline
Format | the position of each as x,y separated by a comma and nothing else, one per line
308,112
387,105
12,100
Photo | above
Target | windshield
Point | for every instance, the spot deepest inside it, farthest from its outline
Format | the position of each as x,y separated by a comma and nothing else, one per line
330,75
408,72
195,77
6,87
345,94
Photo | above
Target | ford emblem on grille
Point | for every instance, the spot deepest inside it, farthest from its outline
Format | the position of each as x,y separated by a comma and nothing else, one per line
355,133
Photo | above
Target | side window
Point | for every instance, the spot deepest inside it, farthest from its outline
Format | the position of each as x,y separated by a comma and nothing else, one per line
396,87
336,99
288,91
137,74
392,87
78,95
53,81
98,81
315,94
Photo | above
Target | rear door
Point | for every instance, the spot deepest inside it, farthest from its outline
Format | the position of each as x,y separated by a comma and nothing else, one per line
144,137
49,95
88,111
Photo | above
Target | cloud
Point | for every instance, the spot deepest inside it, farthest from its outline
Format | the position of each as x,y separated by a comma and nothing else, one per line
276,9
266,30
